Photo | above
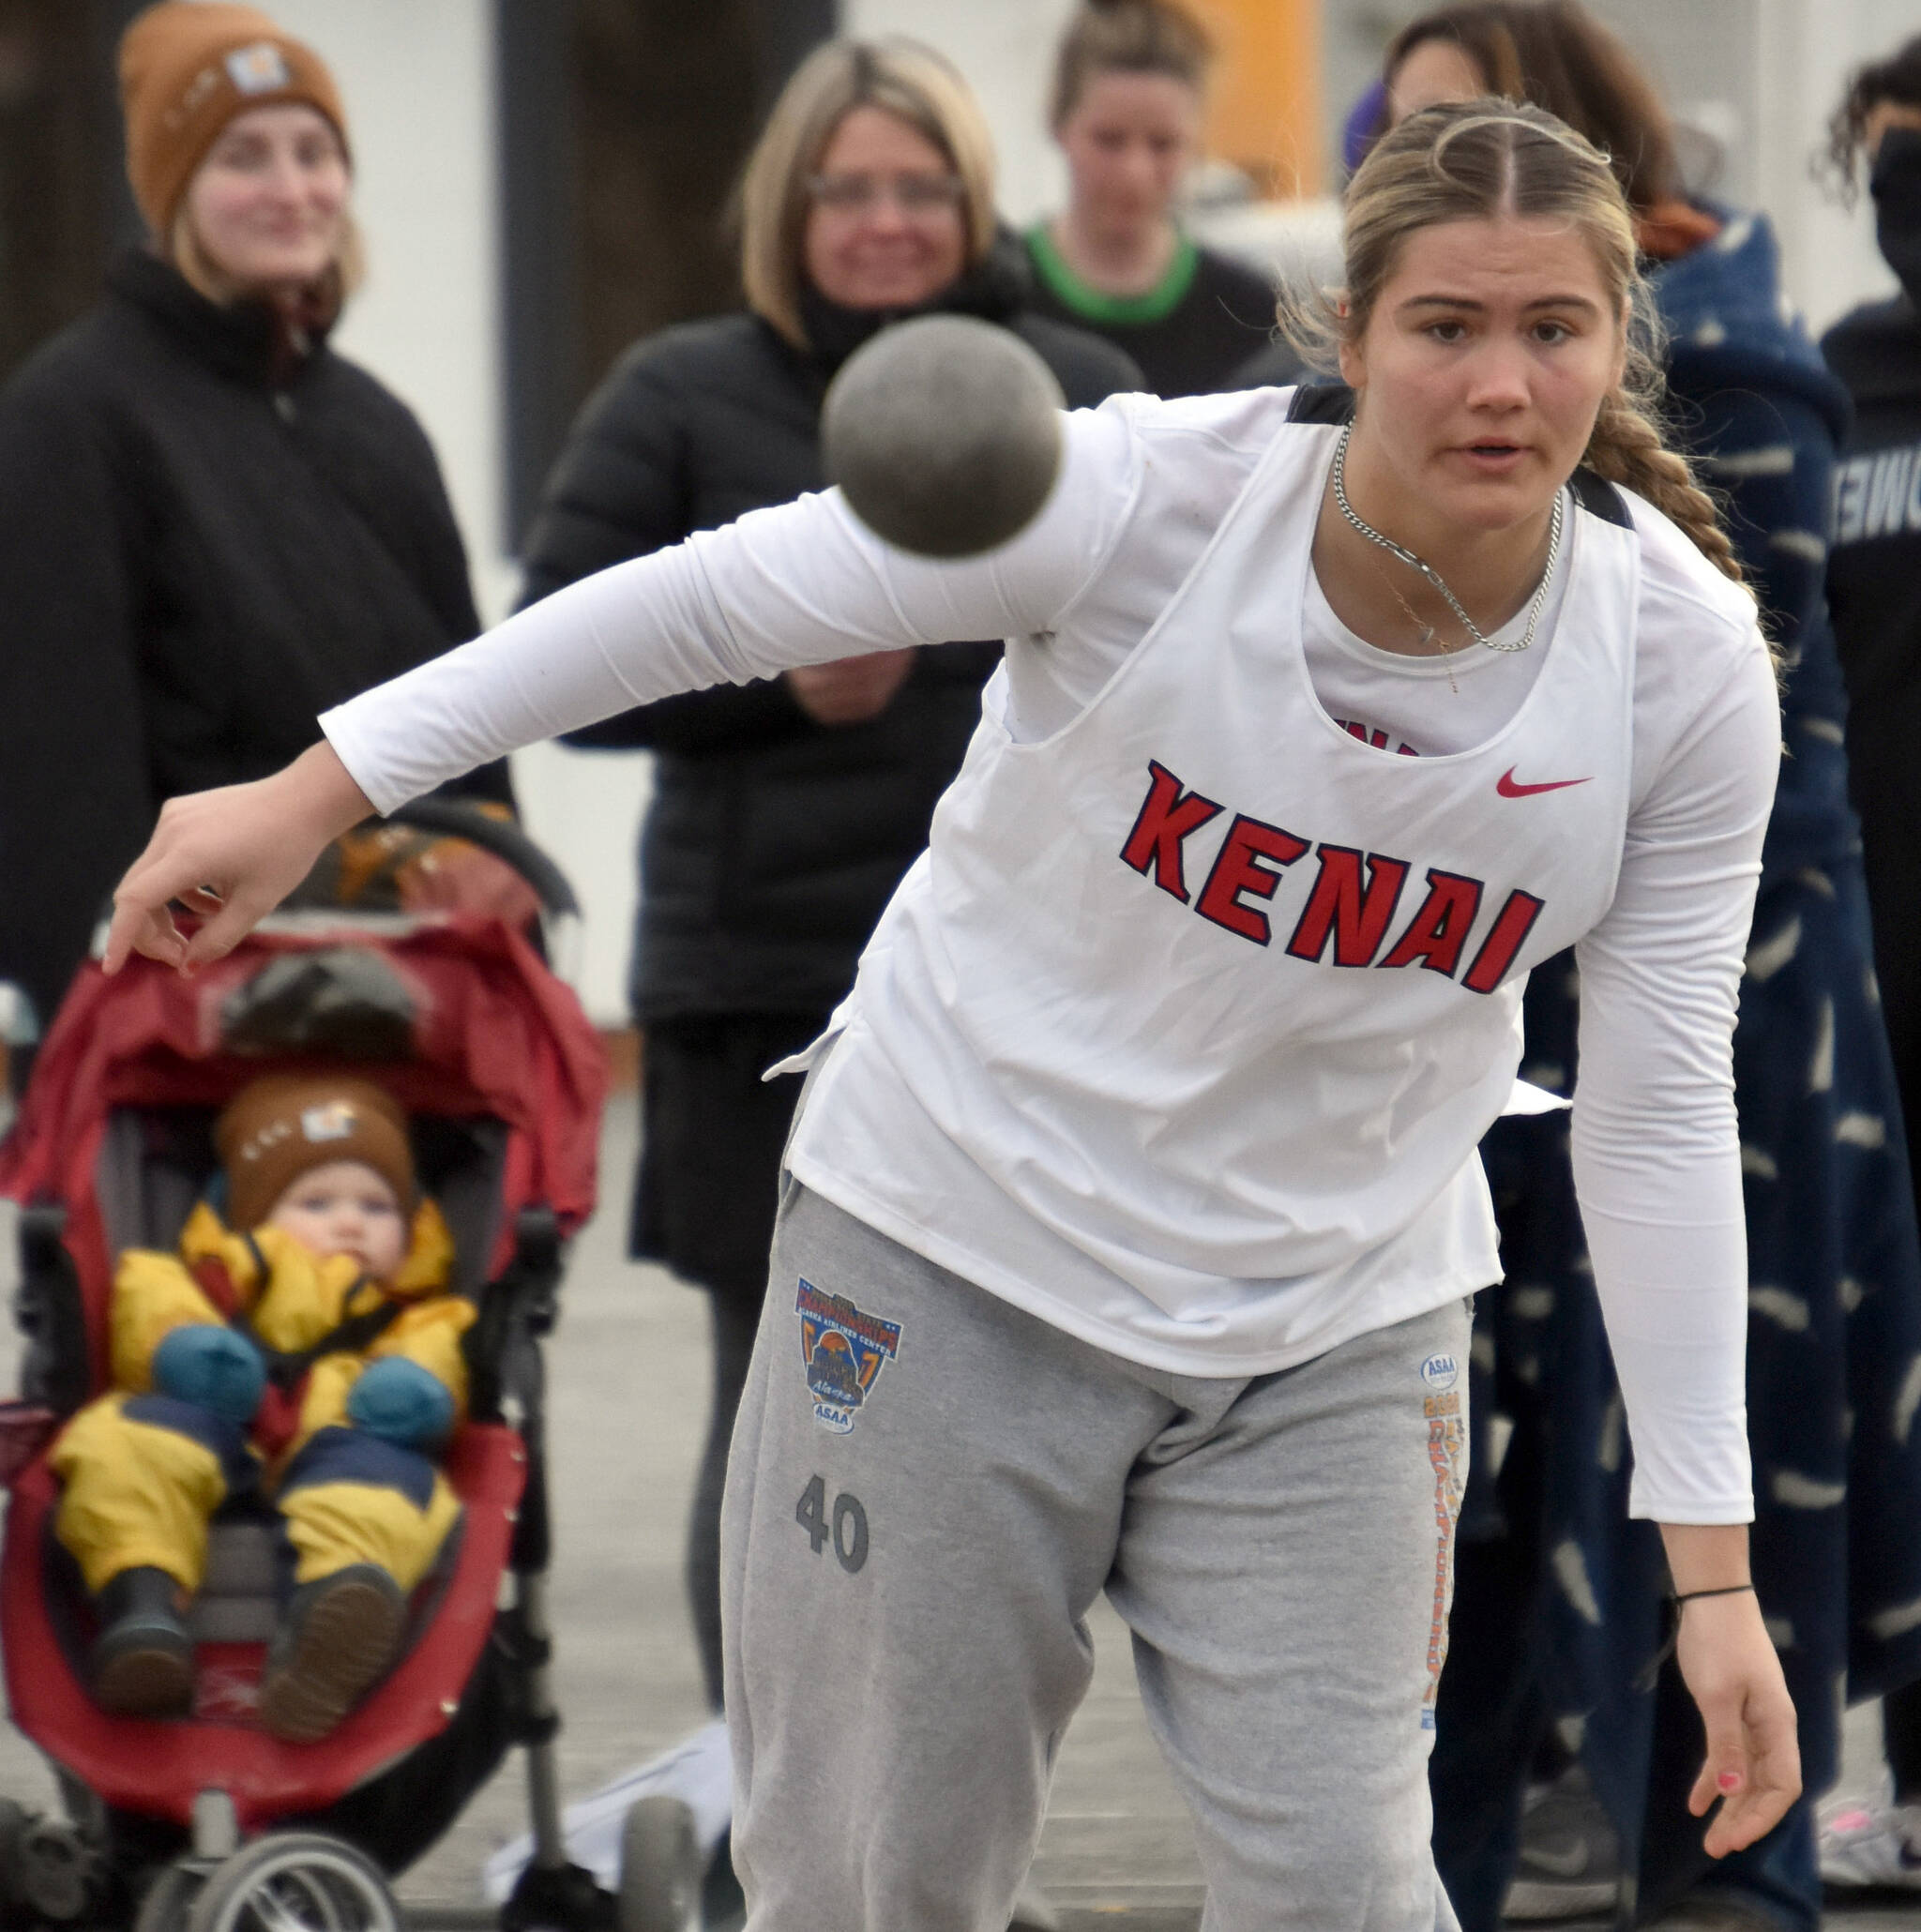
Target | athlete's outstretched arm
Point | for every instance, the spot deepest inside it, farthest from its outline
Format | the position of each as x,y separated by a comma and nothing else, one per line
1657,1163
800,585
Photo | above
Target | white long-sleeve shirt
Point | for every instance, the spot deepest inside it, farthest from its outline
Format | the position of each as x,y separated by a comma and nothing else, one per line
1144,487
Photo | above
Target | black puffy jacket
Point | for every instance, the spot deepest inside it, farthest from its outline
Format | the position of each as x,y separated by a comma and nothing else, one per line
204,544
773,842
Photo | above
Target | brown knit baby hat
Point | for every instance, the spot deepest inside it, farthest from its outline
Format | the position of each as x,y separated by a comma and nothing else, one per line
187,67
279,1127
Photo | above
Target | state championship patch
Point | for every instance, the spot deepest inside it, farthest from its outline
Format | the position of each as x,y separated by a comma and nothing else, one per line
844,1353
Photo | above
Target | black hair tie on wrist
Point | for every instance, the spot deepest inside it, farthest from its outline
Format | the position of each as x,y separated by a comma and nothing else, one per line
1674,1599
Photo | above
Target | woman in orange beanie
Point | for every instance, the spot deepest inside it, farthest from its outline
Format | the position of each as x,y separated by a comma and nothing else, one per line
212,526
219,100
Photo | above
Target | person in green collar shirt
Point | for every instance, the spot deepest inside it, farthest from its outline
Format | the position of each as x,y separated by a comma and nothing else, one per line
1130,85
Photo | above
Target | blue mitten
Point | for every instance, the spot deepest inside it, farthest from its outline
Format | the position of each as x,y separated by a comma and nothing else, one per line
401,1403
213,1368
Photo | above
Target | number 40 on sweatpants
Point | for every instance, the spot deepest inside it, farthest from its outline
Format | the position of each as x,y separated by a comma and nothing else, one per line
845,1526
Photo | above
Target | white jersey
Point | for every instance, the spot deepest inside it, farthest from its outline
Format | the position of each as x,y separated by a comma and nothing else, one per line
1215,999
1305,1170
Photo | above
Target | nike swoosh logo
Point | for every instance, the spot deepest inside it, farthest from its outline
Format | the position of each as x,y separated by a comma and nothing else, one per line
1505,785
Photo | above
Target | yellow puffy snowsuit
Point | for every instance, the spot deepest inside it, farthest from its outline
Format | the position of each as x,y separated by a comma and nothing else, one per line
143,1472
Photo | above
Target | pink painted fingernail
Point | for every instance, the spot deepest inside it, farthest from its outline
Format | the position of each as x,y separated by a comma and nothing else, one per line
1729,1781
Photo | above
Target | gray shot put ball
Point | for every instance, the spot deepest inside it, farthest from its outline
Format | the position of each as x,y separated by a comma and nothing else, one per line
945,434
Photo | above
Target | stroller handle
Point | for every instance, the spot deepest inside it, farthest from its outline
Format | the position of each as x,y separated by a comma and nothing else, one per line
561,920
454,818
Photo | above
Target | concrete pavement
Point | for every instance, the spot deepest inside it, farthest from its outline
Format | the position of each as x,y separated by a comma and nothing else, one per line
627,1375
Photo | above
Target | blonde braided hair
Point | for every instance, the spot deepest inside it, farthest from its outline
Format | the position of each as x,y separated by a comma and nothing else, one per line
1626,447
1481,161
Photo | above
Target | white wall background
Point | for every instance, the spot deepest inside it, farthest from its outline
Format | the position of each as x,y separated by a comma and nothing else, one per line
1806,49
417,77
1006,49
1758,76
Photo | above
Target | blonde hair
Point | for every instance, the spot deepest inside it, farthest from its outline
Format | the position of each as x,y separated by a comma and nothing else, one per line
1480,160
901,78
1128,36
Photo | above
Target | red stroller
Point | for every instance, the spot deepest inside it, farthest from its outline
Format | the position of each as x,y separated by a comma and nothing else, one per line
208,1823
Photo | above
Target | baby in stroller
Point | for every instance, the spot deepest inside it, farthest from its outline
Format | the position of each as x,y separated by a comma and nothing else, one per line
142,1218
303,1345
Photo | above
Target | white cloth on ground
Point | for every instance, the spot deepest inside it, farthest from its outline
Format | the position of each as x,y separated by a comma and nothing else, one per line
698,1771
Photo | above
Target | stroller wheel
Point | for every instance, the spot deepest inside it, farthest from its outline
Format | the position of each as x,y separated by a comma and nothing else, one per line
660,1867
13,1823
58,1872
170,1897
294,1882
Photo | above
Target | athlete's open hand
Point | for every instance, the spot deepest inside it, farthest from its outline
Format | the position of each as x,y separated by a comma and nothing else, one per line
1753,1762
230,857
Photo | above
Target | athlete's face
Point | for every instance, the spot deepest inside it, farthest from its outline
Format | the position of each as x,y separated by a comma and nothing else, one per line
346,1208
1481,369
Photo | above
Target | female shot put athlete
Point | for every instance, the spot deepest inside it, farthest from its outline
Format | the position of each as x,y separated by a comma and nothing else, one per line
1127,1229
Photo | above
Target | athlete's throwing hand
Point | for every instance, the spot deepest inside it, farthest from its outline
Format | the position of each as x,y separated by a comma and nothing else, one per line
1753,1762
230,857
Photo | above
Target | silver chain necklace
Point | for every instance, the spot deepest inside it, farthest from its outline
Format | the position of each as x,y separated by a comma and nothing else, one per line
1428,571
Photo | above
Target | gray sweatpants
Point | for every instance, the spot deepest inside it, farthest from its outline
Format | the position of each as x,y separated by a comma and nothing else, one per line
927,1489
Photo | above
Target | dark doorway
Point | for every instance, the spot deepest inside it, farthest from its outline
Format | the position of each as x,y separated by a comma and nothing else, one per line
62,203
624,127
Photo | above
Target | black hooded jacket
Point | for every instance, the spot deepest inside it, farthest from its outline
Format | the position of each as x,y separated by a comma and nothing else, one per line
202,546
1874,592
1874,568
773,842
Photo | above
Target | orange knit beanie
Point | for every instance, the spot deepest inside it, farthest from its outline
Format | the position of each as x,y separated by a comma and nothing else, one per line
187,67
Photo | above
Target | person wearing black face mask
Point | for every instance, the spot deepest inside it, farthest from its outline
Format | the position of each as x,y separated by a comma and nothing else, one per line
1895,184
1875,597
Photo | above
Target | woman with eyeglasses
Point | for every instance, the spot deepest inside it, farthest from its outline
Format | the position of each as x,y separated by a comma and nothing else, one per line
785,810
